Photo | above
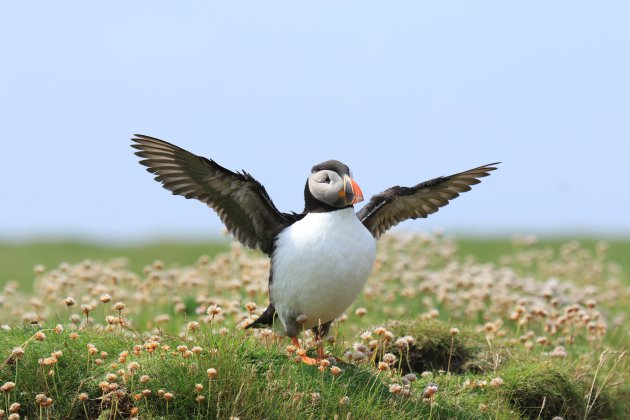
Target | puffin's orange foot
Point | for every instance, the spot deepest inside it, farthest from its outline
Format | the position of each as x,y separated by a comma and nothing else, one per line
309,360
301,354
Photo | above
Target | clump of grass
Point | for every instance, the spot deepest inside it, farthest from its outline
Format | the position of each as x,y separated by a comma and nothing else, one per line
542,390
436,348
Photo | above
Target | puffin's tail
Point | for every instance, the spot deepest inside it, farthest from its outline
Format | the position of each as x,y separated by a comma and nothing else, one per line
264,320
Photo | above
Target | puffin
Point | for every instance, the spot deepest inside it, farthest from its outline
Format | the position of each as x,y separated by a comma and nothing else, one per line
320,258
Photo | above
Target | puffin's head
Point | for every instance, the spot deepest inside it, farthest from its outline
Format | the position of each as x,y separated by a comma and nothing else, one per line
331,184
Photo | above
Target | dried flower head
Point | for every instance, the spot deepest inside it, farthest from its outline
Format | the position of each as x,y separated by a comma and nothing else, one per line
496,382
395,388
7,387
17,352
361,312
213,310
14,408
430,390
389,358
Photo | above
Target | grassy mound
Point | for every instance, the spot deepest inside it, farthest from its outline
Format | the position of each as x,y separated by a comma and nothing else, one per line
437,347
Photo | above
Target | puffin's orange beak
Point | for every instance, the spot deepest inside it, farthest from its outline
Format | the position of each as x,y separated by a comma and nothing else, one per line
351,193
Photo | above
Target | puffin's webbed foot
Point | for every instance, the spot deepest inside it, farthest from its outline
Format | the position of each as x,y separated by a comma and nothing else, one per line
302,353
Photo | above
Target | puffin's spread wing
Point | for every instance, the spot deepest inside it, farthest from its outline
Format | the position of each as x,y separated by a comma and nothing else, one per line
396,204
240,201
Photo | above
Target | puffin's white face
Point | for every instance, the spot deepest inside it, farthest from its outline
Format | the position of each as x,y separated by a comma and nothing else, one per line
333,189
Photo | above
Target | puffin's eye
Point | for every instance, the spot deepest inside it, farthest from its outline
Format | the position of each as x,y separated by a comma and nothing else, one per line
327,179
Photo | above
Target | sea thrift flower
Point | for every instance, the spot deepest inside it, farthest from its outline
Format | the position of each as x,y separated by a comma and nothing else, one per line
40,336
402,343
430,390
366,335
213,310
383,366
7,387
379,330
212,373
496,382
395,389
389,358
17,352
69,301
559,351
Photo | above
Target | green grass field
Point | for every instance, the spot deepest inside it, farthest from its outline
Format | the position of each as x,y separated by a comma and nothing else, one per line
444,329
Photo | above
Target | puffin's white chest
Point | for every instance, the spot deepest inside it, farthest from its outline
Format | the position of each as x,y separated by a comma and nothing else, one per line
320,265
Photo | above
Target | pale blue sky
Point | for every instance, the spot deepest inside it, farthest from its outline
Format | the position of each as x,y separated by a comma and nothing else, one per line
400,91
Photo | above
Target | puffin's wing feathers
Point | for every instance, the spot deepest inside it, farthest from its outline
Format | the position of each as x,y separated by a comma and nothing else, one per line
397,204
240,201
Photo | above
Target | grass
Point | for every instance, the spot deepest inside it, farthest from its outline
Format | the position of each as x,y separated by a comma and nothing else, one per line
503,329
18,260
